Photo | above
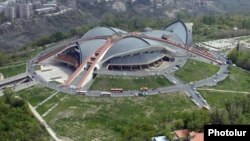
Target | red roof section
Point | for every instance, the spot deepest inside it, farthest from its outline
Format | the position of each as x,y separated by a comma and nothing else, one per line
181,133
198,137
192,134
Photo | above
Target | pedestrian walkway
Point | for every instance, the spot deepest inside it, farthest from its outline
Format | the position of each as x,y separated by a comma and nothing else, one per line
54,106
41,120
41,103
1,93
226,91
1,76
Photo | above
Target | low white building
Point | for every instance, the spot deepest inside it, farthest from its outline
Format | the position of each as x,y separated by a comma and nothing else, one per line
159,138
1,9
217,45
10,12
46,10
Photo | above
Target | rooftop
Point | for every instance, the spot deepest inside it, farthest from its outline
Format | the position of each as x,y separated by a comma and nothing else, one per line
181,133
197,137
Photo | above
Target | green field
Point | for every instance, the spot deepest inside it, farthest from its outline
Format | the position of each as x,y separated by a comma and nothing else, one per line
238,80
90,118
35,94
104,82
93,118
50,103
195,70
243,38
218,99
12,71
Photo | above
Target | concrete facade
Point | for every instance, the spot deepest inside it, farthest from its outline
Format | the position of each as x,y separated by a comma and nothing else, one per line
10,12
25,10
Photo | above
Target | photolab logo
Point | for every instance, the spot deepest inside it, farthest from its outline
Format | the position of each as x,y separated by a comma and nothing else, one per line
226,132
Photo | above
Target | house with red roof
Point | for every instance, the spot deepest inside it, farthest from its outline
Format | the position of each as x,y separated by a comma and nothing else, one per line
186,135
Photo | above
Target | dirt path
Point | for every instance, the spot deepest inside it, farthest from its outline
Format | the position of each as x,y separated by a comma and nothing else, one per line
41,103
13,66
226,91
50,131
1,76
54,106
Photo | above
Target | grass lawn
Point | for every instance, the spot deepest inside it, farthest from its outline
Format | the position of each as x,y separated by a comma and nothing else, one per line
55,82
243,38
218,99
37,67
91,118
50,103
238,80
12,71
35,94
105,82
195,70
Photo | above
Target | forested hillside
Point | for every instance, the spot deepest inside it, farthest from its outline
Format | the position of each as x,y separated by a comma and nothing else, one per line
234,6
241,57
17,122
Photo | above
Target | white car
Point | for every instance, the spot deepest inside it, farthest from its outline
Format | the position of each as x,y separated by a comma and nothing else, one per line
174,81
72,87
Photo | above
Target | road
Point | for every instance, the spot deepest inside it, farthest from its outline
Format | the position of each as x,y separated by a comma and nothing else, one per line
180,60
17,82
189,89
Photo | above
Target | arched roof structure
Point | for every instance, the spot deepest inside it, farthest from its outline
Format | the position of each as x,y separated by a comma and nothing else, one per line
87,48
126,44
102,31
181,31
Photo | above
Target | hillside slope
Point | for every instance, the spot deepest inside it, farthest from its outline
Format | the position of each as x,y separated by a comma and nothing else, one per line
25,31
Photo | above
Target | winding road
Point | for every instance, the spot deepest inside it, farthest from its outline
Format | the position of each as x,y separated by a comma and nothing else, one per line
181,58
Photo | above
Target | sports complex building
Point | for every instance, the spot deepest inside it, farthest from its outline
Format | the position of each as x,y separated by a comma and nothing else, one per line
108,49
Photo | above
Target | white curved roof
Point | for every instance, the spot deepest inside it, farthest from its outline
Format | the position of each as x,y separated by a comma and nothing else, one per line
180,29
126,44
159,33
87,48
119,30
102,31
99,31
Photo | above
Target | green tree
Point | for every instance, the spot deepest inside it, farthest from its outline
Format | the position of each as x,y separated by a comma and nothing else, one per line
178,124
3,58
57,36
238,46
219,116
16,121
195,120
